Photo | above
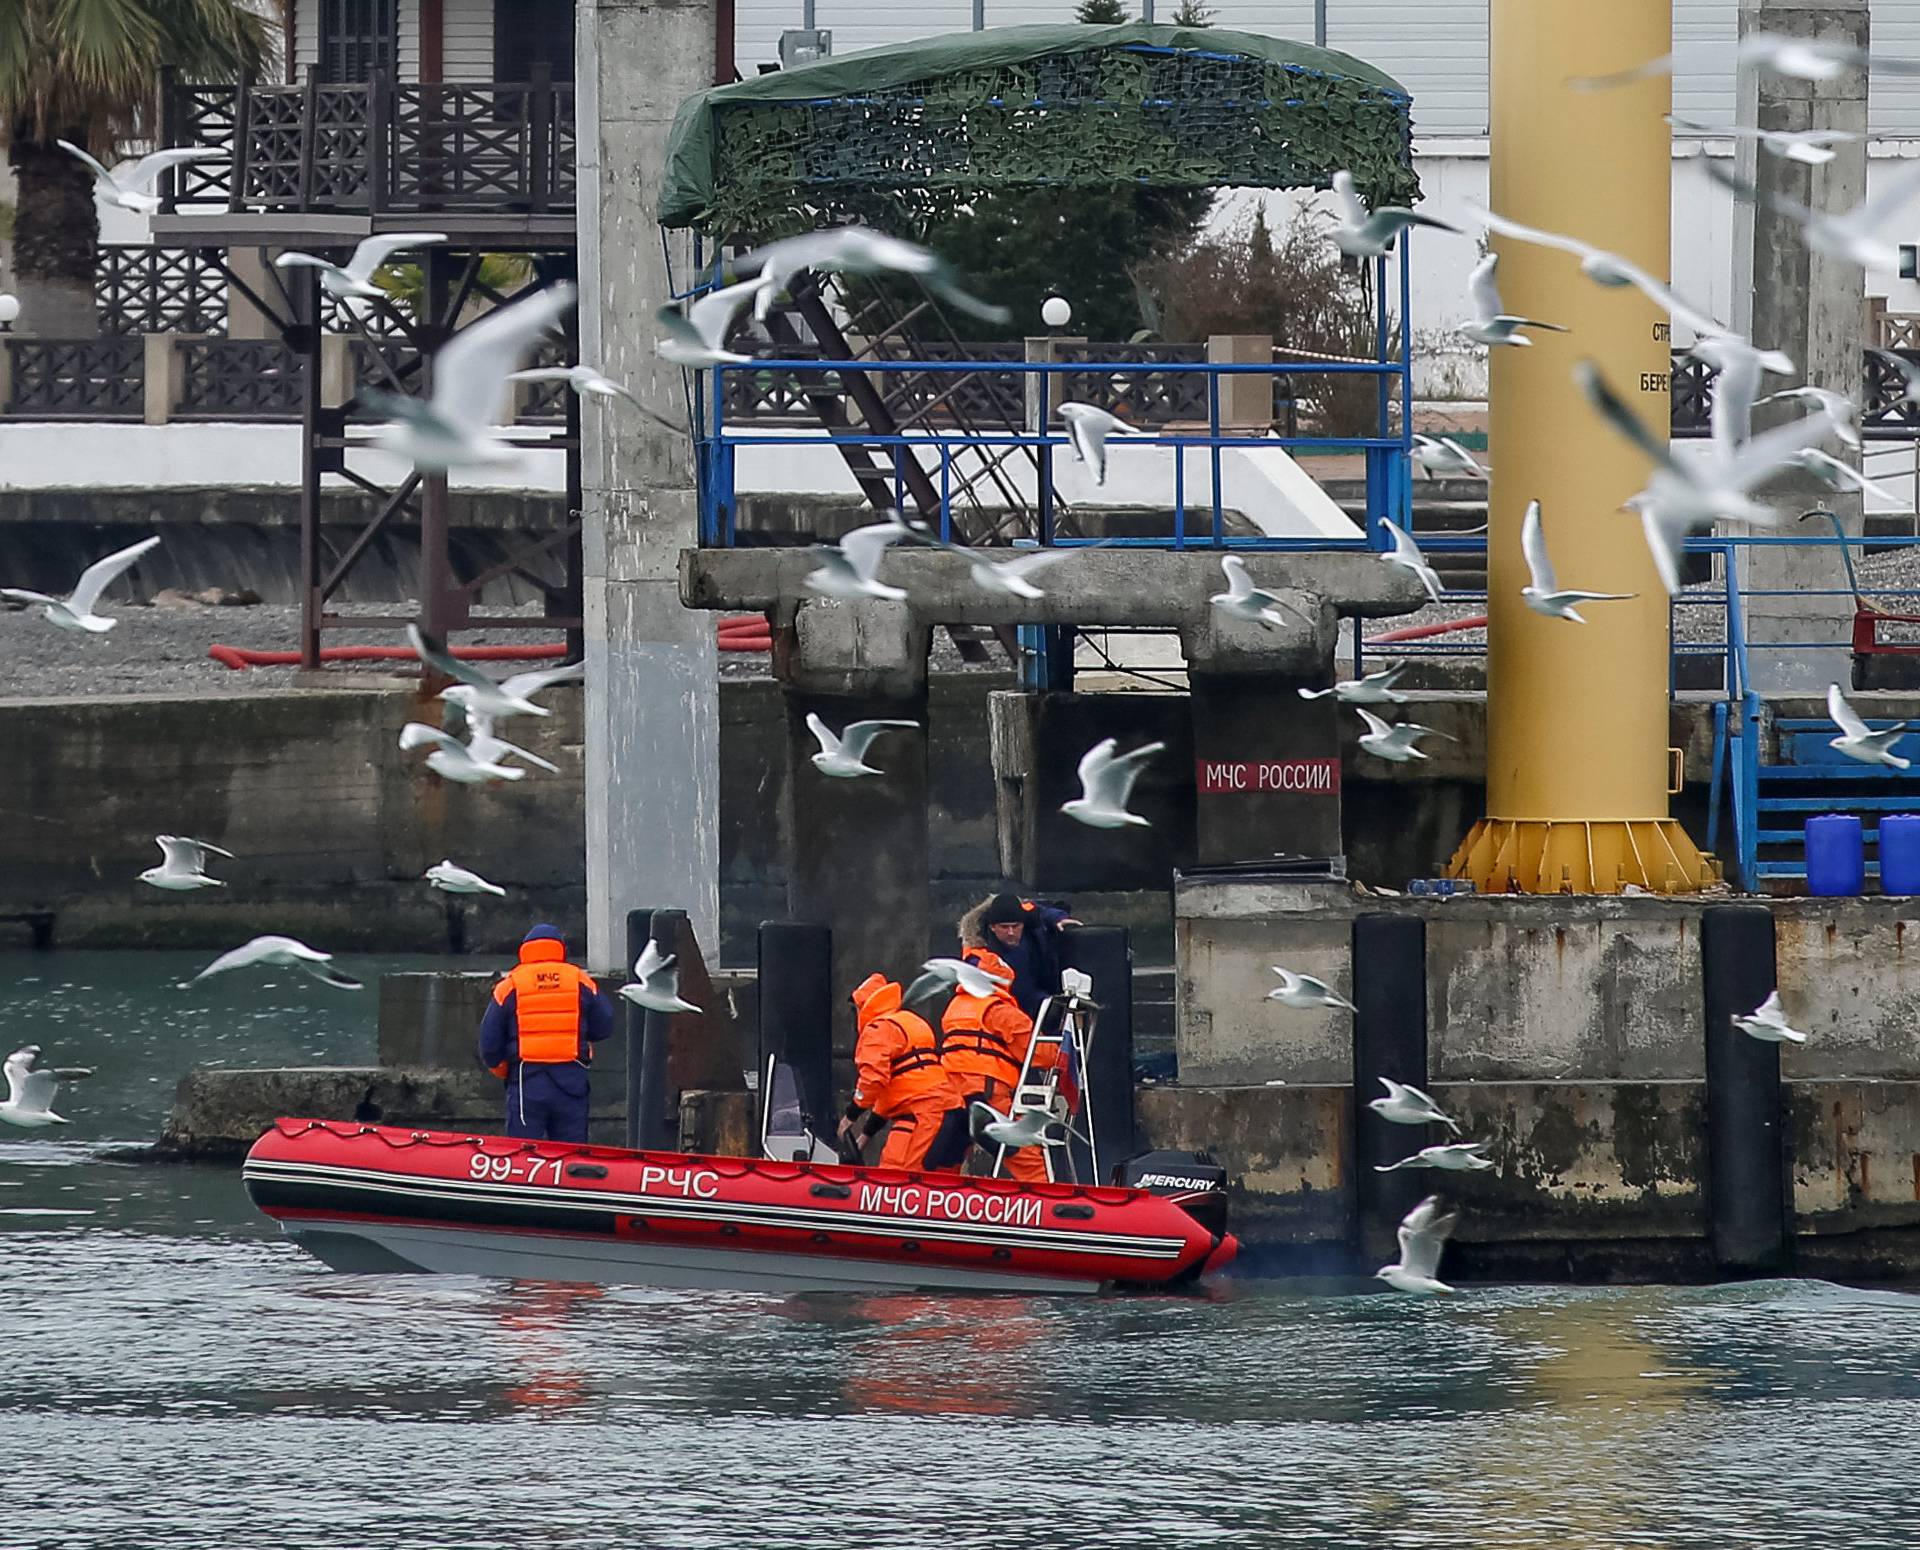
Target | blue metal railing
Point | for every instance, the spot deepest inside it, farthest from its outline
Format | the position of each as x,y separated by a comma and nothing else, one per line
1389,487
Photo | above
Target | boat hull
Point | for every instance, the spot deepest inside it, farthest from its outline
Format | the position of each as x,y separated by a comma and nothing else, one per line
372,1198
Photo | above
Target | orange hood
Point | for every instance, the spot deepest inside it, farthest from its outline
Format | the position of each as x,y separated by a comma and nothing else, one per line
542,949
875,996
991,963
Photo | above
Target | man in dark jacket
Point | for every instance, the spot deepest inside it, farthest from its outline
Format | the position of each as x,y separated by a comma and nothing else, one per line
538,1037
1026,935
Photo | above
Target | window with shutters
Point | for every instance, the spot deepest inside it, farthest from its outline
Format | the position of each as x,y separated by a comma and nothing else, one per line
357,37
532,32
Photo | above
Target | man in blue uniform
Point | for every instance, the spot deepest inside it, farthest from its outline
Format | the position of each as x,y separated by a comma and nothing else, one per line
538,1037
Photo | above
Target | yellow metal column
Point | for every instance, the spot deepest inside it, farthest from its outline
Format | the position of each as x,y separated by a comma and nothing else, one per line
1577,763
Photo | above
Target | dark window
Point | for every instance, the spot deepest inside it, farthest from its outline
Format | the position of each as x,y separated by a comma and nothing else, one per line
532,32
356,39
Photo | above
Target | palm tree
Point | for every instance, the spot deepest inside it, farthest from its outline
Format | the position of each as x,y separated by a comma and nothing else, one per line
87,72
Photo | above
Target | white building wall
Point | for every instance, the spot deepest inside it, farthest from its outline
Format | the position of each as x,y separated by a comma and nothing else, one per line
306,37
1437,49
407,53
467,28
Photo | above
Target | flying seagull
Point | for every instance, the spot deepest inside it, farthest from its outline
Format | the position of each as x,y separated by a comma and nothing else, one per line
1809,147
454,428
694,332
1456,1157
475,691
1492,325
1029,1127
1685,493
76,611
1374,689
30,1093
1870,234
128,190
1805,59
1423,1237
184,868
1406,554
1542,593
1737,366
1836,475
1394,743
1405,1105
474,762
850,569
1604,268
845,757
1909,376
354,279
449,878
1767,1022
1837,407
588,382
938,974
656,982
1303,992
1441,455
1106,782
1243,600
281,952
1088,429
857,250
1856,742
1360,234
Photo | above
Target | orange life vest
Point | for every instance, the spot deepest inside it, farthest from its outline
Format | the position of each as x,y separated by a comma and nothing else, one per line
984,1038
546,1005
897,1058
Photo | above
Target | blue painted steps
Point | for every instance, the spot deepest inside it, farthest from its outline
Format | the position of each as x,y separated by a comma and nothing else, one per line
1817,778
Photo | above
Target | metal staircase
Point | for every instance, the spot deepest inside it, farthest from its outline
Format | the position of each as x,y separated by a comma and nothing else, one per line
1806,779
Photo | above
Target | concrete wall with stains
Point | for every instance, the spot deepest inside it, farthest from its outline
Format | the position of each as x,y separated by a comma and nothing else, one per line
1592,1181
1530,989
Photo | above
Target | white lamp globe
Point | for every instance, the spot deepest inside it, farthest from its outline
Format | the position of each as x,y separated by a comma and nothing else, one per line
1055,312
9,308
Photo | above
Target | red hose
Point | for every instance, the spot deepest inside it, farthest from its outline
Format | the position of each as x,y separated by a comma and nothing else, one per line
1422,631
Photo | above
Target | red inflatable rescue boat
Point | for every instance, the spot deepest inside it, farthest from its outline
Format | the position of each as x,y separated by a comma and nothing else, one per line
374,1198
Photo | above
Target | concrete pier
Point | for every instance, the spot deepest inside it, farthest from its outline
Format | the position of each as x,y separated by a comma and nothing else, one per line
653,713
1789,298
852,661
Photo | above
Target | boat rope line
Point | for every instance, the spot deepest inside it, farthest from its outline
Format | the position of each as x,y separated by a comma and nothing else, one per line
739,1213
1056,1190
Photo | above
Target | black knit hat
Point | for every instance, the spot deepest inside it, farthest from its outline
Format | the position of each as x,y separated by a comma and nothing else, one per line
1005,909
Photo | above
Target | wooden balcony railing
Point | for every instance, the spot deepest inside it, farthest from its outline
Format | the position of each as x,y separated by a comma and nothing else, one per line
375,146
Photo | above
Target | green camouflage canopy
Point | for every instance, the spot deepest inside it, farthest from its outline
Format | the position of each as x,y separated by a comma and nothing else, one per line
904,135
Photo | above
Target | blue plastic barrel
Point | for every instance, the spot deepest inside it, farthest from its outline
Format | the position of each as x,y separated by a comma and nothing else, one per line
1836,856
1900,853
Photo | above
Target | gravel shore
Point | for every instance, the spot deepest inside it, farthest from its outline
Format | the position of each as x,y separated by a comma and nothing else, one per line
163,651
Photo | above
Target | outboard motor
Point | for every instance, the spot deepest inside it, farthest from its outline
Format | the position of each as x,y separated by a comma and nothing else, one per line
1193,1180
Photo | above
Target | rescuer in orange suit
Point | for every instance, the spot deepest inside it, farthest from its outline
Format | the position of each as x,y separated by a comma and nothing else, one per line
983,1042
899,1082
538,1036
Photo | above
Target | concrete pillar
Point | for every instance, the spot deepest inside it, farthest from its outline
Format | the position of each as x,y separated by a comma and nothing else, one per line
244,319
1813,308
336,370
162,376
1266,762
1246,402
1045,348
653,724
857,849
